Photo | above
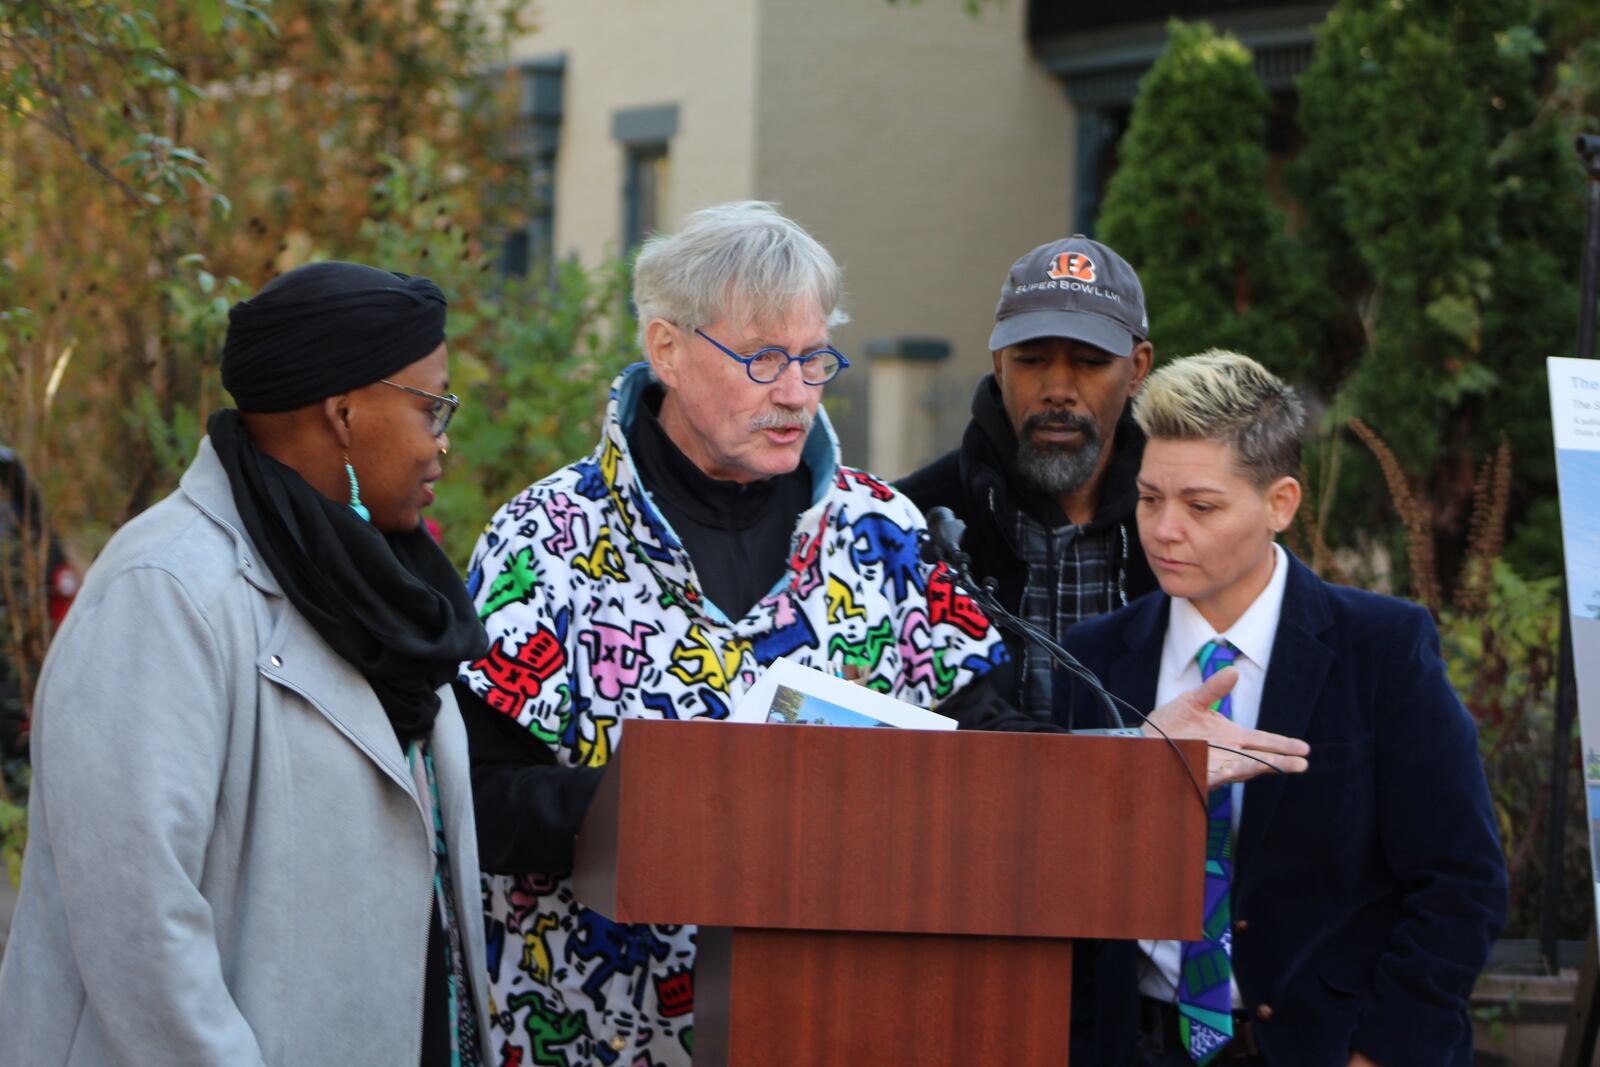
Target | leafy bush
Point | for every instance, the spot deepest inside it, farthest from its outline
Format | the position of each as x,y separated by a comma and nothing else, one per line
1443,208
13,817
1502,653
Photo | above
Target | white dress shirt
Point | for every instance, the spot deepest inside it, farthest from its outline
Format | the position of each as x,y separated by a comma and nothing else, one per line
1187,633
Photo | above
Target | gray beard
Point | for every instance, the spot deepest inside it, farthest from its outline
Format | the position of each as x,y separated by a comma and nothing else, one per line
1055,471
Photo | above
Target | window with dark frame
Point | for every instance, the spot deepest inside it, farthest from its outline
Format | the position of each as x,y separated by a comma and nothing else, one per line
646,184
530,246
645,135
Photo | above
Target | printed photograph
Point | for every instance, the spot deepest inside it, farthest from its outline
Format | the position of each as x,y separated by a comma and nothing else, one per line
798,709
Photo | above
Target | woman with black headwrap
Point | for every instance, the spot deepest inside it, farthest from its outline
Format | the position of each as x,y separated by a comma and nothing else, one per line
251,834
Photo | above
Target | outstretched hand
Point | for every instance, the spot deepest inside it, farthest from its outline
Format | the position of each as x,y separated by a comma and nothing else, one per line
1189,715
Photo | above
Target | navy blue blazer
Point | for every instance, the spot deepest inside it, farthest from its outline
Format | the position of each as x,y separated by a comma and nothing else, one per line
1367,890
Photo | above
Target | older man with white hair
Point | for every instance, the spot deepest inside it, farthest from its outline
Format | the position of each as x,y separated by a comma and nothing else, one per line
711,531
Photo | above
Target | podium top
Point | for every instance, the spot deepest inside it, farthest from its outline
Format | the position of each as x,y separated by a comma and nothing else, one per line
906,831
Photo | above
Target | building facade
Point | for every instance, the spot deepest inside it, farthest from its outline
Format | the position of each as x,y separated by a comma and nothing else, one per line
925,145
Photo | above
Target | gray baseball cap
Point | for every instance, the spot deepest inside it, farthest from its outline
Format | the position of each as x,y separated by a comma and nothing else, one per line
1074,288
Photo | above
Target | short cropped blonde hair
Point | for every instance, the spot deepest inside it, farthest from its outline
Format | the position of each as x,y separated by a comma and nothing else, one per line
1227,397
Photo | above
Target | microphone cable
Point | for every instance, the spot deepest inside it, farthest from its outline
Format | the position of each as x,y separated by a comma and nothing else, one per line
942,545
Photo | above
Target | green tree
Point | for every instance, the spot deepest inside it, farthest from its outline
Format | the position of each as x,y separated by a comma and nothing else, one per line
159,159
1442,209
98,185
1189,206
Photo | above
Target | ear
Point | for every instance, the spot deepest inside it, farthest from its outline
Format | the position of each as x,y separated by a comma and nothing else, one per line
664,347
1283,500
999,365
1144,357
336,412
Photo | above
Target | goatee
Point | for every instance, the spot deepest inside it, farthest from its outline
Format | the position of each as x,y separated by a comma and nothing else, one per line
1057,469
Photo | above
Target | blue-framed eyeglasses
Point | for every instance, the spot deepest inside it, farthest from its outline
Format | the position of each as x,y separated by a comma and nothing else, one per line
441,411
817,367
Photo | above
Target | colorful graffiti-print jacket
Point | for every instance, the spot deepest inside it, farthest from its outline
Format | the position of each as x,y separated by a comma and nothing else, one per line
595,616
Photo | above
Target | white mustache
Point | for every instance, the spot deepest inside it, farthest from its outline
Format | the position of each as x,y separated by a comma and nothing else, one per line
783,419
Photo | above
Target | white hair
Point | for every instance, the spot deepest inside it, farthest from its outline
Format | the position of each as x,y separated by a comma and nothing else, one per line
741,258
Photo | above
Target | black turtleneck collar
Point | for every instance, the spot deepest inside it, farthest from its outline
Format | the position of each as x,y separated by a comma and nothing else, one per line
737,534
671,474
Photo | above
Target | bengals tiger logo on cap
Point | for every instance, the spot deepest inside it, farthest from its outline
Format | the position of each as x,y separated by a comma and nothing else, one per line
1073,265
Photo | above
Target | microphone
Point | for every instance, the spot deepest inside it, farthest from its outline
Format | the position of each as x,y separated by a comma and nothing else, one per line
945,531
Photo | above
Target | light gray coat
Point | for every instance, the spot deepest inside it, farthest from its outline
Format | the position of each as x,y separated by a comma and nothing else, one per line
228,861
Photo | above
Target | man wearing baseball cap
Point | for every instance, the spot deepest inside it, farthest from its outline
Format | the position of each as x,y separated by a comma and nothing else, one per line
1044,477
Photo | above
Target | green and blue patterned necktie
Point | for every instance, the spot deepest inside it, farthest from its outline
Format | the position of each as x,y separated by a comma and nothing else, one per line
1205,992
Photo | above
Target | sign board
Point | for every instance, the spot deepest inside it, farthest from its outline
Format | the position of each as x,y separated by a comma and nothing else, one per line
1575,416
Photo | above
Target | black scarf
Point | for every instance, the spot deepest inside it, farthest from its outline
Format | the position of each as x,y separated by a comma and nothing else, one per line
390,604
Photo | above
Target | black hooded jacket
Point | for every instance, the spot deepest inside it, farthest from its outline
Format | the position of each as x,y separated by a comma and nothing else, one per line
976,482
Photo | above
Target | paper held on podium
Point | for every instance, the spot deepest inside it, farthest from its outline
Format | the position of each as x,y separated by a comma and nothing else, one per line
792,693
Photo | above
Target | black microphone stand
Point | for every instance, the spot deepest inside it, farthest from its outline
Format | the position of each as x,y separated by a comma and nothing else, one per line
983,594
939,546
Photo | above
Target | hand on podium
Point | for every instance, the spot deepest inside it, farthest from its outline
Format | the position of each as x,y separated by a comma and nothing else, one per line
1190,715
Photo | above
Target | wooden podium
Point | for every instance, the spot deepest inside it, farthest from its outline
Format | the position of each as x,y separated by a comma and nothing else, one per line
883,897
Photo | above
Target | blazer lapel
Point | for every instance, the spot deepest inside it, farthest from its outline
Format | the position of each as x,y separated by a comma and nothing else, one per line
1135,671
1299,667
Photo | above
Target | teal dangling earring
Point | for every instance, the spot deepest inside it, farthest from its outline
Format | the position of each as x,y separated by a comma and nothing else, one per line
355,493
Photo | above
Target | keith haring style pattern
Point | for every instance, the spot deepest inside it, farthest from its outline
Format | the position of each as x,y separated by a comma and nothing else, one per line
595,615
